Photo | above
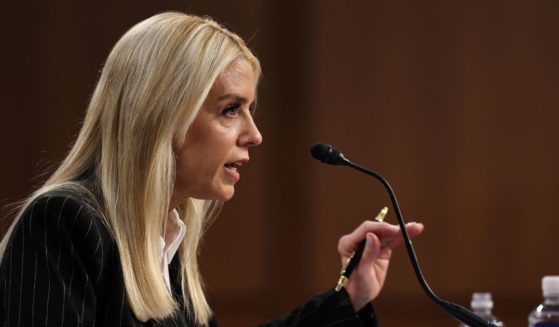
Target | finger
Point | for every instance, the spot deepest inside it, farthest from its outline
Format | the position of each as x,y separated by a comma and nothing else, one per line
348,243
372,249
413,230
375,260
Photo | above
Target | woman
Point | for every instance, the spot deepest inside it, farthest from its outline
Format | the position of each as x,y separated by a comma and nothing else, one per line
111,239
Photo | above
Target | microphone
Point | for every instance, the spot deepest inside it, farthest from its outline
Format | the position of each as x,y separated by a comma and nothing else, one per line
328,154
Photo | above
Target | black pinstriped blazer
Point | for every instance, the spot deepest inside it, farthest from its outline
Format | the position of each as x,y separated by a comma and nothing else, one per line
61,268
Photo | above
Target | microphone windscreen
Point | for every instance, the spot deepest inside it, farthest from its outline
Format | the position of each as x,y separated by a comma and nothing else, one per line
327,154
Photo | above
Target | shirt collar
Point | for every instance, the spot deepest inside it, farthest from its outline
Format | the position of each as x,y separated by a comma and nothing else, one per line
172,236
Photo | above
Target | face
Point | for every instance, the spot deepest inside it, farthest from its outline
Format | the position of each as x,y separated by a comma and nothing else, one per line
217,144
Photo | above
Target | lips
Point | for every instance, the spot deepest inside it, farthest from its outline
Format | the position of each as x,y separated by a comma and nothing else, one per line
232,168
233,165
236,164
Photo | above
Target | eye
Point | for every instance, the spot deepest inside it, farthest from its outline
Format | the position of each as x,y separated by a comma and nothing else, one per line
231,110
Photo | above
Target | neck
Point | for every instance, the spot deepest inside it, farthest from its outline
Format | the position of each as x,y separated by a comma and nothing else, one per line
176,200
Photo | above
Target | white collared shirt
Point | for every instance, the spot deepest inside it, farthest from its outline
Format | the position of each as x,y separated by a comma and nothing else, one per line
169,243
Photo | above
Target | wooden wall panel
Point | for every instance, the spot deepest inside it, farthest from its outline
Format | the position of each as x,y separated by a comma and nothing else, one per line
454,102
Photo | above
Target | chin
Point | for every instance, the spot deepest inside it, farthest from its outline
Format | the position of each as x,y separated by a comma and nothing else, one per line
225,194
228,196
221,195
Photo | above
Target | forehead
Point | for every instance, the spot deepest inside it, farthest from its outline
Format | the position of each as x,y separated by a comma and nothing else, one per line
238,78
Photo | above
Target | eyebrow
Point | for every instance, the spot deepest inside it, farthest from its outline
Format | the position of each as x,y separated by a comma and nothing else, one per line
234,96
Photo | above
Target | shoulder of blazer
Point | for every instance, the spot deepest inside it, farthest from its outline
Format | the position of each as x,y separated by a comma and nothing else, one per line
60,261
79,228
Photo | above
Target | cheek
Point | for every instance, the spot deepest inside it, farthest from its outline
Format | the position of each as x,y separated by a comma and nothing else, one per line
197,163
201,159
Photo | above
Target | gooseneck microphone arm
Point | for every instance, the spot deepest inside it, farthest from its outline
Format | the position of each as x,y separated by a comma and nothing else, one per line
327,154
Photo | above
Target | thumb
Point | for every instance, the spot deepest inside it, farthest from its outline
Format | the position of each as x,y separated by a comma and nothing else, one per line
372,249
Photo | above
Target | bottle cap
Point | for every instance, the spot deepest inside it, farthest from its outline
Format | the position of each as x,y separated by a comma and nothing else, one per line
550,286
482,300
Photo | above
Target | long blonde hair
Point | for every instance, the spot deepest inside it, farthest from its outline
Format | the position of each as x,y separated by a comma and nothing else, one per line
151,87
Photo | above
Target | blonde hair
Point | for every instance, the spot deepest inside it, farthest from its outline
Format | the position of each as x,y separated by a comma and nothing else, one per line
151,87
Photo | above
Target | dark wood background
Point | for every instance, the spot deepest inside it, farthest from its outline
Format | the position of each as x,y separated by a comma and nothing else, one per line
454,102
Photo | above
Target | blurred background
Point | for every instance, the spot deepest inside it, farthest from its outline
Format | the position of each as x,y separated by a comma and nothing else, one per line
454,102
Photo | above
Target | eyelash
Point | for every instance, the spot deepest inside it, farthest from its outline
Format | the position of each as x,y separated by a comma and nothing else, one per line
231,109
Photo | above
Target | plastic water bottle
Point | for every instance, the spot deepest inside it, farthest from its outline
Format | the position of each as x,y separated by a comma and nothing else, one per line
482,304
547,313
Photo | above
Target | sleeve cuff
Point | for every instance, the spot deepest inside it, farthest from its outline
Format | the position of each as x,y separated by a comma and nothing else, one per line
330,309
367,315
343,314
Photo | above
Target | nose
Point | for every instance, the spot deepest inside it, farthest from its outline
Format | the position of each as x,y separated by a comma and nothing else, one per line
251,136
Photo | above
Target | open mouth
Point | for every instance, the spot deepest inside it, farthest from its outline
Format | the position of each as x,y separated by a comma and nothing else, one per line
233,165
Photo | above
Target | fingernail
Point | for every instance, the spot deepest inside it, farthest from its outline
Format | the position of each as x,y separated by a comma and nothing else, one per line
369,240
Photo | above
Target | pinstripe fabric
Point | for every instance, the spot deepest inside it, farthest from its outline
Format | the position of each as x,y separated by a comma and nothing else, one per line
62,268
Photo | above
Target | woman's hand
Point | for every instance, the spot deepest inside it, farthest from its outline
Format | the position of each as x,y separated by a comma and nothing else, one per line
367,279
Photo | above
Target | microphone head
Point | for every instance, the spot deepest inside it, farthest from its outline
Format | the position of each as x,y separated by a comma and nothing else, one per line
327,154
